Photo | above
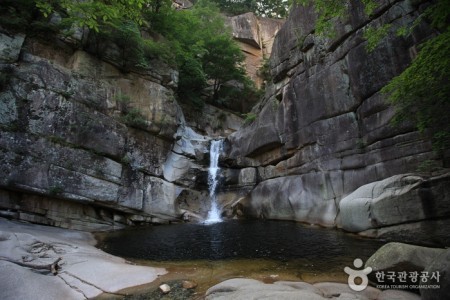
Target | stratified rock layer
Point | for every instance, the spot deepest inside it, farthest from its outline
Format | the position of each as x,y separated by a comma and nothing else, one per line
84,145
323,128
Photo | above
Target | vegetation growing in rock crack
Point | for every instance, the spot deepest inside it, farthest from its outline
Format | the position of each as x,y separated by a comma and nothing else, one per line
421,93
195,41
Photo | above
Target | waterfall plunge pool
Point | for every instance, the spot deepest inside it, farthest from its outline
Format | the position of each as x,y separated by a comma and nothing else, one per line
263,250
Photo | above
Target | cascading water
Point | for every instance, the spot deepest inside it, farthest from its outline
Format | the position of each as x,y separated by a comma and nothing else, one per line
214,212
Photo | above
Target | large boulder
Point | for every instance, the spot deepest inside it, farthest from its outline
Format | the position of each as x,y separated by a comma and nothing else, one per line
395,200
293,198
431,266
243,288
402,257
439,286
245,29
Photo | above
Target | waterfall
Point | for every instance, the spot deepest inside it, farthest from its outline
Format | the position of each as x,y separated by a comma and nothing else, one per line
214,212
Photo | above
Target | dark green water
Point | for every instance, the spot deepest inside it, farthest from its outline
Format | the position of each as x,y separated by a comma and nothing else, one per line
264,250
275,240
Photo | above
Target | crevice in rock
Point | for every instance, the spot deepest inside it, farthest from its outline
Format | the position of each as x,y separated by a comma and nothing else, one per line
91,284
373,17
76,289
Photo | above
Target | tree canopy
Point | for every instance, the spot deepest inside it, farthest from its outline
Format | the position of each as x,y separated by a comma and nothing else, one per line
264,8
195,41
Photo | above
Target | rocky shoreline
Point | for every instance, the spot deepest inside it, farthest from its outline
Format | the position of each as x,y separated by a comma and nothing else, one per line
82,271
42,262
242,288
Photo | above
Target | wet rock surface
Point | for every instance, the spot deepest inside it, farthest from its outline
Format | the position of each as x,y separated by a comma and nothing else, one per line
85,146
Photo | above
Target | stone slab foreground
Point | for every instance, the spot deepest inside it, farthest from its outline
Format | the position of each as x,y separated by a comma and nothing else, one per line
85,271
244,289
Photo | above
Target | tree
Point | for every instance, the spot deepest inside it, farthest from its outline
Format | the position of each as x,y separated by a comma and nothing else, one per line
272,8
221,61
95,13
203,47
264,8
421,93
196,41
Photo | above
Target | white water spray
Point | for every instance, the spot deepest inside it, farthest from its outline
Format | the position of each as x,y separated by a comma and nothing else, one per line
214,152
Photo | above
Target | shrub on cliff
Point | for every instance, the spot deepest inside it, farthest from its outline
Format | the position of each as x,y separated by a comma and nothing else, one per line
196,41
421,93
204,49
265,8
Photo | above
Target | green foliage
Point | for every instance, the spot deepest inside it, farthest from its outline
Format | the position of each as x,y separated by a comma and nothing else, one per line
203,47
196,41
264,70
55,189
23,15
272,8
421,93
131,116
265,8
126,35
134,118
126,159
95,13
233,7
374,35
428,166
327,11
17,14
220,63
249,118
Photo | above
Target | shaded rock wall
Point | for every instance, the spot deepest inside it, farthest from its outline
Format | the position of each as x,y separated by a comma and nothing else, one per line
323,128
86,146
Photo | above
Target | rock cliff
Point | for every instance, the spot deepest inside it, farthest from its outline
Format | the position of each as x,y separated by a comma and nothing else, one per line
255,36
323,128
86,146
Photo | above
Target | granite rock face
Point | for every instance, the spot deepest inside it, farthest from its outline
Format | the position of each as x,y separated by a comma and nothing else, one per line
10,47
86,146
255,36
323,129
84,271
396,200
431,265
243,288
440,265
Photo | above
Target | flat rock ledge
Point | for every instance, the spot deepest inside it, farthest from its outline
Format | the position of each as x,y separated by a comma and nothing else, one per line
244,289
83,270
